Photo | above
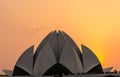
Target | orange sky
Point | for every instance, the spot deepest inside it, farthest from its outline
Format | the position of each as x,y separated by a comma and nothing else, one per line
95,23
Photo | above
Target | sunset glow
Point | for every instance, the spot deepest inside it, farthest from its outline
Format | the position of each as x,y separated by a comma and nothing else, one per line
94,23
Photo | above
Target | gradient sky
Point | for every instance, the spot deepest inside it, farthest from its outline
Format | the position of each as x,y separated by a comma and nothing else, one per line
94,23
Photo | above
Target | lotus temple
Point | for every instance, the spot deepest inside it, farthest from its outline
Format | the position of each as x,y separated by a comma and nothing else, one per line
59,56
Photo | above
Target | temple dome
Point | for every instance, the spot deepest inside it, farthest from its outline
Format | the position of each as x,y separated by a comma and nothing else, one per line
57,54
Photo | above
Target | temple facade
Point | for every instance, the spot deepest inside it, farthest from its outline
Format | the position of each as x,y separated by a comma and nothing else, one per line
57,55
